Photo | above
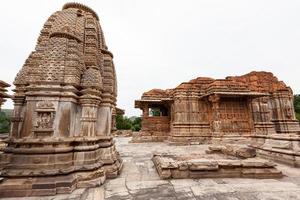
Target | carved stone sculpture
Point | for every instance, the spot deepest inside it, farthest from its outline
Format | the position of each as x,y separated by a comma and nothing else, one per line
65,94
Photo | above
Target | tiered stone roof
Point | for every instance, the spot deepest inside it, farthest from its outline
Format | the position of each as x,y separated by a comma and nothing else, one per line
253,82
71,51
3,92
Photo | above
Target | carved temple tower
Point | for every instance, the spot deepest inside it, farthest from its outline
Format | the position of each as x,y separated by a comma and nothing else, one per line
64,97
3,94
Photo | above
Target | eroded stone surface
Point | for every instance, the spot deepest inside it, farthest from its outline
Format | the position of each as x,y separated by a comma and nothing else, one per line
64,99
284,148
207,166
139,168
140,175
206,110
255,108
240,151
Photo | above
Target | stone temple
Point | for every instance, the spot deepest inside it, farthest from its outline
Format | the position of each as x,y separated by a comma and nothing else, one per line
3,90
61,143
64,99
255,108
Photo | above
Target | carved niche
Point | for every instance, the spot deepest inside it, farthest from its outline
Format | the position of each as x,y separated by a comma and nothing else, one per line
265,110
45,114
288,110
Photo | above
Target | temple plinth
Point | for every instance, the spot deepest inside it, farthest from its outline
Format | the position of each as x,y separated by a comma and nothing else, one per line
65,94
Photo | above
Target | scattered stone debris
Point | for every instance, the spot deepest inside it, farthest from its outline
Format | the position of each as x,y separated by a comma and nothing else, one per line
240,151
122,133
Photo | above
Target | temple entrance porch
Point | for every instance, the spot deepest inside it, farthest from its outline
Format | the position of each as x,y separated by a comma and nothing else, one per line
156,121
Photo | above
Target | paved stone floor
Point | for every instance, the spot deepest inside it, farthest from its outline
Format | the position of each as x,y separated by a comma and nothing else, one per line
139,180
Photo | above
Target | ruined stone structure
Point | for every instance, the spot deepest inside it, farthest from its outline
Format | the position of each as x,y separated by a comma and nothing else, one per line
116,111
256,106
217,166
3,92
65,94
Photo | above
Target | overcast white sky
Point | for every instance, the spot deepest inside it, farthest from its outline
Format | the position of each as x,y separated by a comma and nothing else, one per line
161,43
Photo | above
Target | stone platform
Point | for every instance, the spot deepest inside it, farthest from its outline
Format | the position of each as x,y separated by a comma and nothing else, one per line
283,148
145,137
139,180
212,166
228,161
57,166
236,150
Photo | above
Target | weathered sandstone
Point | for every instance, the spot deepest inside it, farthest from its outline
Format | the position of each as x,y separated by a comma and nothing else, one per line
64,99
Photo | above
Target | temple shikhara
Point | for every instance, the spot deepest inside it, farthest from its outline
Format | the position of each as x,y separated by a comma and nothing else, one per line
64,97
65,127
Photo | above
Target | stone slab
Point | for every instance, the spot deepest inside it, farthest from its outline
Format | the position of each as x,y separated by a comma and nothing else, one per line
198,166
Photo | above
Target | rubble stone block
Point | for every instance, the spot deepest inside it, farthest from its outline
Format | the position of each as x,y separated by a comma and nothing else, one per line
210,167
202,165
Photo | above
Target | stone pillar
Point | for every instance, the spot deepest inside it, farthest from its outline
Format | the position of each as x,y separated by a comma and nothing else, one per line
283,113
261,114
108,95
114,122
145,116
88,117
105,110
17,117
216,128
282,142
145,110
250,115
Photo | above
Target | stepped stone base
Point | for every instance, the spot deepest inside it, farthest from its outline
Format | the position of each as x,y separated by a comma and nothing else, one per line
53,185
231,139
189,140
280,148
82,163
143,136
213,166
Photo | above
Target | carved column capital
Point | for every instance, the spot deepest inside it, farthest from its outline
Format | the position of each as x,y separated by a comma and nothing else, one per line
214,98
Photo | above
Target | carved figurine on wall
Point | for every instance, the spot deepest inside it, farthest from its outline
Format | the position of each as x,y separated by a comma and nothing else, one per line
45,120
45,112
288,111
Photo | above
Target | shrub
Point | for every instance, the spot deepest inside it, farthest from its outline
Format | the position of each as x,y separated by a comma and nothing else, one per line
4,122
